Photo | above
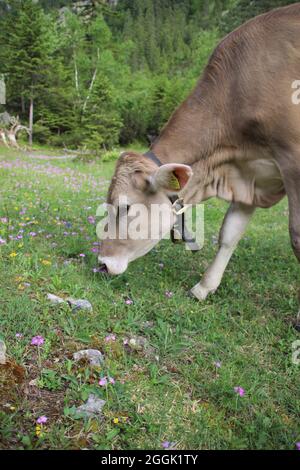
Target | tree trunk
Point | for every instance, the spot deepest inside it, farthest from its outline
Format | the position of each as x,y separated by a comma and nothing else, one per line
30,121
92,83
22,104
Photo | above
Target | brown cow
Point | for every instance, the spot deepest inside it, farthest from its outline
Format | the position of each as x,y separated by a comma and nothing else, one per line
236,137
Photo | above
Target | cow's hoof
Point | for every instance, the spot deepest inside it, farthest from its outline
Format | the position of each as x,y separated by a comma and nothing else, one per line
200,292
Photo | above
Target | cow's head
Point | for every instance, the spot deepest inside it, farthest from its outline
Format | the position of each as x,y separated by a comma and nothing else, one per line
139,203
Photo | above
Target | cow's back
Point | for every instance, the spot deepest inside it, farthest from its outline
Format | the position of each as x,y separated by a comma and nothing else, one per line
251,73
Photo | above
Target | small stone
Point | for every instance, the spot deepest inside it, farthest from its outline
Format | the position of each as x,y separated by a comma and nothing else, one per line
92,408
33,383
147,324
139,344
79,304
2,352
75,304
55,300
94,356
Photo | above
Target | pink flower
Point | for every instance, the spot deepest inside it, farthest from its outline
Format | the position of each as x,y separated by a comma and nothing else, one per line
240,391
82,255
37,341
110,338
169,294
2,242
103,382
218,364
19,335
91,219
42,420
298,445
128,302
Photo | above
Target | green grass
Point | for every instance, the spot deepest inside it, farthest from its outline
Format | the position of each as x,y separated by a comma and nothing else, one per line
171,391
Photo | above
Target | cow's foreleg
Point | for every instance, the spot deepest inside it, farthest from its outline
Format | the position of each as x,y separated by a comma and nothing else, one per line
233,228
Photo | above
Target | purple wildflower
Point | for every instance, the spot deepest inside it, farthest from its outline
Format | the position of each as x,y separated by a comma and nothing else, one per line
166,445
91,219
37,341
240,391
42,420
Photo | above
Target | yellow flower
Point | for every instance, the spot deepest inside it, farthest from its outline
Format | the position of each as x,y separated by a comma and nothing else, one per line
116,420
46,262
13,254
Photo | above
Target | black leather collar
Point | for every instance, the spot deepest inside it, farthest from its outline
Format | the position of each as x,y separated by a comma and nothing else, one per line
151,155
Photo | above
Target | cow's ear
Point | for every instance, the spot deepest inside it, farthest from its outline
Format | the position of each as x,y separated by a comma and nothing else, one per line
172,177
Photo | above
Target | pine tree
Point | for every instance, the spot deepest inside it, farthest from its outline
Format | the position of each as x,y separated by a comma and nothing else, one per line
101,122
27,54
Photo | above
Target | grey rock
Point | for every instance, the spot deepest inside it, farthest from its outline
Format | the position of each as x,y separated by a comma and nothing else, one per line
55,300
80,304
75,304
94,356
92,408
141,345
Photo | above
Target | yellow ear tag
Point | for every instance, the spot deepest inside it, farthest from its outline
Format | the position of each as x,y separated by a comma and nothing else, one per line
174,183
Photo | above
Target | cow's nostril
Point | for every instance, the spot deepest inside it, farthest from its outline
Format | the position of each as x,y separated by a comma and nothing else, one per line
103,269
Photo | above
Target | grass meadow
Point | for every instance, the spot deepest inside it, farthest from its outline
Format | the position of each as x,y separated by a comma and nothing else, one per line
176,390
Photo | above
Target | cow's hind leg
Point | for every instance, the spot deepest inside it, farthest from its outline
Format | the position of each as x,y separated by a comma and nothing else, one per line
233,228
289,164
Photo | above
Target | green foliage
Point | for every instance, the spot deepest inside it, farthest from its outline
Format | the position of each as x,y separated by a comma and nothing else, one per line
109,72
243,10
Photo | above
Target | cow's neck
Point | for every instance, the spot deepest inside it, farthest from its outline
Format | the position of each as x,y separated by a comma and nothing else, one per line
199,134
194,131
